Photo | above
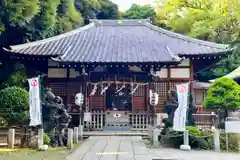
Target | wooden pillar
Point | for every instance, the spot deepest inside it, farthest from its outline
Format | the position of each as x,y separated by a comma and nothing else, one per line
147,97
68,96
104,95
191,76
86,94
168,79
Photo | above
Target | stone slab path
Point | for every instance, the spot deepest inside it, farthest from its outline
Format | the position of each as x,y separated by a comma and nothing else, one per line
133,148
112,148
177,154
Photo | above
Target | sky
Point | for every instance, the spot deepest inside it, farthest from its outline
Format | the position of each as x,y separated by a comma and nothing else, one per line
126,4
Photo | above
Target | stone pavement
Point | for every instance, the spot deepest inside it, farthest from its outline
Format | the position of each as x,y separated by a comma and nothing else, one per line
177,154
112,148
133,148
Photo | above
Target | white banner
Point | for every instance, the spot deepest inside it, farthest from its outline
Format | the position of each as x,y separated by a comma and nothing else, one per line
34,102
179,120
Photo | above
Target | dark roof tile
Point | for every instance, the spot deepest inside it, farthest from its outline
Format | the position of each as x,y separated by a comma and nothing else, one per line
119,41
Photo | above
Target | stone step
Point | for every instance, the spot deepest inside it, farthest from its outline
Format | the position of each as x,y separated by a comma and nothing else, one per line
114,133
114,128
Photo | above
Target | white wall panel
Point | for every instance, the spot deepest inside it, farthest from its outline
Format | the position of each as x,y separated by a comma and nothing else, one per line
180,73
57,72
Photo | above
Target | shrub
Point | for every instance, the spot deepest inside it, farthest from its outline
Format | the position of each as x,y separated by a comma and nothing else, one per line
223,93
46,139
197,139
193,131
14,104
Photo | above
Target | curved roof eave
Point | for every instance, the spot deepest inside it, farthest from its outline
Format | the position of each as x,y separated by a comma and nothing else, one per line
50,39
209,46
186,38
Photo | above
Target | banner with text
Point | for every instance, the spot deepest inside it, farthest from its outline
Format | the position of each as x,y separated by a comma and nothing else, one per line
179,120
34,102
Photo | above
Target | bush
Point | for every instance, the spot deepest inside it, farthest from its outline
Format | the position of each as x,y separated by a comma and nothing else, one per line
223,93
197,139
193,131
232,142
14,104
46,139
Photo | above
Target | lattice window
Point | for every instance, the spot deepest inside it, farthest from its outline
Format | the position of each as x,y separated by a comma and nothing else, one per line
75,87
58,88
140,92
172,85
161,88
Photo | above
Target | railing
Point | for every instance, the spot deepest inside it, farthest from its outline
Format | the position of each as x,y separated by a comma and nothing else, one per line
140,120
205,120
98,121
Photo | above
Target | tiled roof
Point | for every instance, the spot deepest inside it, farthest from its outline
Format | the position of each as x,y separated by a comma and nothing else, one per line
119,41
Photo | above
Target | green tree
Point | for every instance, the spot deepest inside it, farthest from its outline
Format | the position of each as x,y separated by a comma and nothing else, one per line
22,21
108,10
228,64
224,93
17,13
68,17
139,12
216,21
209,20
14,104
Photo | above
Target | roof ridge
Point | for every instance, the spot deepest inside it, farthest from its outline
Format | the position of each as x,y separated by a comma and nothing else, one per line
186,38
119,22
54,38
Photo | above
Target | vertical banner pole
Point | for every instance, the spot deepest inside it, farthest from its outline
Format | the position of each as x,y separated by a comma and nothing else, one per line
35,108
180,115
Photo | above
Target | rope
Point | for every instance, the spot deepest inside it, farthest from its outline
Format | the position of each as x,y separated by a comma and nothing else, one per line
117,82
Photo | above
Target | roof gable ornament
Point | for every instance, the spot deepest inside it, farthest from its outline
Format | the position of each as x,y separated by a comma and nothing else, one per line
174,55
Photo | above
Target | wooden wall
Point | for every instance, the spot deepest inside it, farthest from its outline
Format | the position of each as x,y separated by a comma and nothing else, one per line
65,83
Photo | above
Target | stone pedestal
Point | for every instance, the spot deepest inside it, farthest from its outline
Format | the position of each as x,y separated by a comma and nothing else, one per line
70,138
150,133
75,135
40,138
11,138
80,132
216,140
156,133
185,145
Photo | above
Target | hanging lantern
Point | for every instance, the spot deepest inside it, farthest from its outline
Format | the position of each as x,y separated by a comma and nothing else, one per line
153,98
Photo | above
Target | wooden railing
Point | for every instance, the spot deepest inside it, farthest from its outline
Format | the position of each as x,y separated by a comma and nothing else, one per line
205,120
98,121
140,120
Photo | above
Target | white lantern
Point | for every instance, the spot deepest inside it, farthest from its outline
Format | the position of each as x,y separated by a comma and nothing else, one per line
79,98
154,99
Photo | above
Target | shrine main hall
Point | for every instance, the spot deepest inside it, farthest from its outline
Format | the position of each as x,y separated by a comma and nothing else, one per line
116,64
